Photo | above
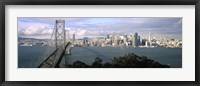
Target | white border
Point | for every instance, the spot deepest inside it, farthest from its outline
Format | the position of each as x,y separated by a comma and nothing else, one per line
187,73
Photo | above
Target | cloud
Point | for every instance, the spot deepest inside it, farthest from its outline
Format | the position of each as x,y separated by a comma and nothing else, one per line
92,27
34,30
80,32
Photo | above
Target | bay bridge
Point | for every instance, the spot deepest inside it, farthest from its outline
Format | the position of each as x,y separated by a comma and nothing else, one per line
61,41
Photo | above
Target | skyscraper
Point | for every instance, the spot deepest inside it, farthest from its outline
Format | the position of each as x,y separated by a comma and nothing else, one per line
73,37
85,40
138,40
134,41
149,36
116,40
143,42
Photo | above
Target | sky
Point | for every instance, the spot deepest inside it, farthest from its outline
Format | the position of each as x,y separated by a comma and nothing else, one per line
42,28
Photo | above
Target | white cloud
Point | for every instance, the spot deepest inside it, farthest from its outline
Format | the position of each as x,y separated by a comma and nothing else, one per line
34,30
93,27
81,32
77,31
31,30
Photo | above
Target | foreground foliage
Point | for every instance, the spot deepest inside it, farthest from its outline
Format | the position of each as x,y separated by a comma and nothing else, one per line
127,61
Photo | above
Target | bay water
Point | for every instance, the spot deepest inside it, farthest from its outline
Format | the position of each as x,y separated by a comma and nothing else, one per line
32,56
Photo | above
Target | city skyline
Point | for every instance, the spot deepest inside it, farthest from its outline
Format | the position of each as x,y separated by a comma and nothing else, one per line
42,28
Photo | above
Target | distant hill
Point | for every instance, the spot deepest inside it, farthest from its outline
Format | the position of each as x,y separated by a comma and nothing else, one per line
21,38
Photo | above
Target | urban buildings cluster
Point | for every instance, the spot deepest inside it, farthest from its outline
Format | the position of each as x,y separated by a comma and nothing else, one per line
134,40
29,42
128,40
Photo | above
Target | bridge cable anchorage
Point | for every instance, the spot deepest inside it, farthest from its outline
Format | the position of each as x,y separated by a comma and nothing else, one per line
60,43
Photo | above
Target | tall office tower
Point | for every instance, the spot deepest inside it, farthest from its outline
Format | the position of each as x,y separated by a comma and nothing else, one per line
115,40
143,42
150,39
149,36
126,39
74,38
134,41
138,40
112,40
85,40
146,43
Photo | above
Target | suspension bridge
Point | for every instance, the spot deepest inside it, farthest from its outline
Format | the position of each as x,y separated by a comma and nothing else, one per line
61,41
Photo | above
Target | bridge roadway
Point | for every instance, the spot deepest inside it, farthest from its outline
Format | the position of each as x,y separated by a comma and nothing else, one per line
53,61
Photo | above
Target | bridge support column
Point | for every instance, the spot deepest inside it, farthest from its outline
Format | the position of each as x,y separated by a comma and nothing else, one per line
60,36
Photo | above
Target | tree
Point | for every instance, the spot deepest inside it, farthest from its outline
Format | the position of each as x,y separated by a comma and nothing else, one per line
79,64
97,63
127,61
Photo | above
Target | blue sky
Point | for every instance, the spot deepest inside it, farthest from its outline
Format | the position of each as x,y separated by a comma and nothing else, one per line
42,28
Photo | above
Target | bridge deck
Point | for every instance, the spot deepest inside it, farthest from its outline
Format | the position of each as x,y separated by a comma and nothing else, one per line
55,58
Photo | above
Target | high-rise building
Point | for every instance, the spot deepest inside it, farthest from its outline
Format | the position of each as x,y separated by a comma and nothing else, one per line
138,40
116,40
146,43
85,40
143,42
73,38
149,36
134,41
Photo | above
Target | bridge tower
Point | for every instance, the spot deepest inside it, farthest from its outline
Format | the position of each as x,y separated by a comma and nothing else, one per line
60,36
58,40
